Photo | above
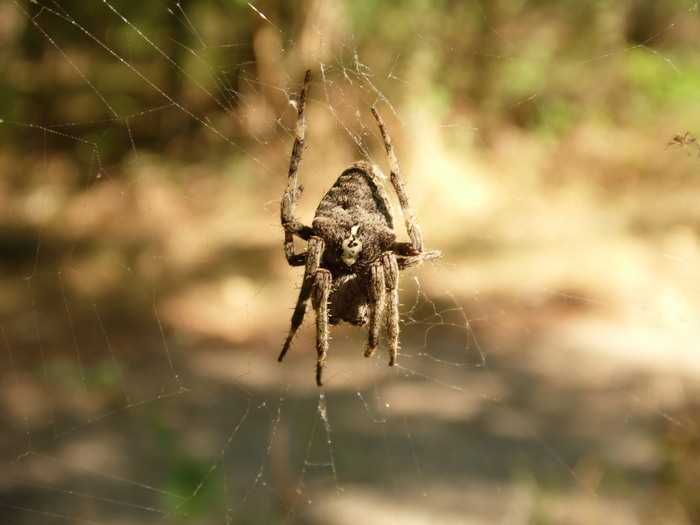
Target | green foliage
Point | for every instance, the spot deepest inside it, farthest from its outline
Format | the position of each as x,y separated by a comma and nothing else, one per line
503,57
101,375
190,489
663,83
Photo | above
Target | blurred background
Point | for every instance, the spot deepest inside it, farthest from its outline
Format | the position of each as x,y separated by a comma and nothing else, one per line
549,363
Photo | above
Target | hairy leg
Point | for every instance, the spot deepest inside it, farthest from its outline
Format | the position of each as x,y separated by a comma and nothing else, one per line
322,289
391,272
313,263
413,260
414,232
291,225
377,300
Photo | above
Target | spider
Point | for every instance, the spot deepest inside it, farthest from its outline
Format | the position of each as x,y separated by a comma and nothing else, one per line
682,140
352,259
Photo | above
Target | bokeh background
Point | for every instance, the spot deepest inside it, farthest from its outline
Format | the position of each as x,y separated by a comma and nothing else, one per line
550,361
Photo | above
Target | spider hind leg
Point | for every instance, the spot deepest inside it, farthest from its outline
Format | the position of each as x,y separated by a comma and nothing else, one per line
292,193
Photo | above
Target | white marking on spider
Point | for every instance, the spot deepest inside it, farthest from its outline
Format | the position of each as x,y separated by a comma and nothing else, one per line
352,246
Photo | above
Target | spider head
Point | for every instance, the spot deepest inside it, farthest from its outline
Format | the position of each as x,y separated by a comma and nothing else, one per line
352,246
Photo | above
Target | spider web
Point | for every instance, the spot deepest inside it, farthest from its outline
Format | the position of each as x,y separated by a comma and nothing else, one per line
548,367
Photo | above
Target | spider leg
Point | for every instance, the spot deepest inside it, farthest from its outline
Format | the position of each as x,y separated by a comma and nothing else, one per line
313,263
414,232
413,260
322,290
377,300
391,272
291,225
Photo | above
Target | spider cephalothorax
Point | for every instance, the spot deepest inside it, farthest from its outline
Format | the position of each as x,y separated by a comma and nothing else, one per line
352,260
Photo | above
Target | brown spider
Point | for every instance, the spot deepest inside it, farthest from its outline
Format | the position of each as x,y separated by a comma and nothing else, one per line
683,141
352,260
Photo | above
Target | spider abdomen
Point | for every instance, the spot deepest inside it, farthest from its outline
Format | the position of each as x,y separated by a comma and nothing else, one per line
355,219
348,301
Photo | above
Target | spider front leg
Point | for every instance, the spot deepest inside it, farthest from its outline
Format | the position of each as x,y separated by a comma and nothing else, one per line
377,300
391,271
384,294
313,263
322,290
291,225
